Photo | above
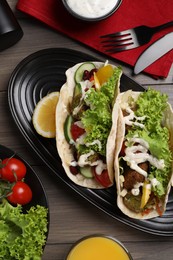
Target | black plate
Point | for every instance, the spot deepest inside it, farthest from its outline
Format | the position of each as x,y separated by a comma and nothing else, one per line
39,196
44,72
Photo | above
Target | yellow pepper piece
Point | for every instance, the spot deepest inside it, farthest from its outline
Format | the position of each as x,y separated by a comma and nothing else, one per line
104,73
146,191
96,82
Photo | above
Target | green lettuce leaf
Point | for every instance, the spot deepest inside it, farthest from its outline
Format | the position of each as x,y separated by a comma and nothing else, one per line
22,235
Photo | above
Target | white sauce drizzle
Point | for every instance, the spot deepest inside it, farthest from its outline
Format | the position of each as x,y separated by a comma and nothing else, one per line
154,182
135,192
138,185
100,167
77,109
80,139
95,142
136,189
79,124
148,186
140,141
133,159
128,119
90,8
83,159
73,163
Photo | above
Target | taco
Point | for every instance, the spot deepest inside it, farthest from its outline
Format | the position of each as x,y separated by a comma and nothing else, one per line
143,155
83,123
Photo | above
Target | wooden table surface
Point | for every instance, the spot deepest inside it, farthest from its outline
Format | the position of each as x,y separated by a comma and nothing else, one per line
71,216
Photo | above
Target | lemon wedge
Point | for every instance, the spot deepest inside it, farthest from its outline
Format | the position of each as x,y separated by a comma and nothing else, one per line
44,115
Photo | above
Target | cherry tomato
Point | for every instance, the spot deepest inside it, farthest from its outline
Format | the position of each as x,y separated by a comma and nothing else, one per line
21,194
102,178
76,131
12,170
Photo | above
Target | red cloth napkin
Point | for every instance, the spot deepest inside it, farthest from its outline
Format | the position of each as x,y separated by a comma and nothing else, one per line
130,14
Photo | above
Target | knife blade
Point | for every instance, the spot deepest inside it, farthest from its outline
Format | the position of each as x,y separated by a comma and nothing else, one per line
154,52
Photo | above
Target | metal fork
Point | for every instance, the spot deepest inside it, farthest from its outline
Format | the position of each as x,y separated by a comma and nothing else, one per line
131,38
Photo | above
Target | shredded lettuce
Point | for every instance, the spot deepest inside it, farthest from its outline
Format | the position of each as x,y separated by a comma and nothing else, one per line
97,120
22,235
152,104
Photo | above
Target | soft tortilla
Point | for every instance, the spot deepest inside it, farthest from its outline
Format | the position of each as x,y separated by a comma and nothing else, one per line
168,122
62,111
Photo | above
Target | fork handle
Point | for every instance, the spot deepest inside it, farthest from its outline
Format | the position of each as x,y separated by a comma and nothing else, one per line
163,26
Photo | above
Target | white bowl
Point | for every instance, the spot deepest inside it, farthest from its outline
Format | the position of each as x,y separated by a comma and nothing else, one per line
89,10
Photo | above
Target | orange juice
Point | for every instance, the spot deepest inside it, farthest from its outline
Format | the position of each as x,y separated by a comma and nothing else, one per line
98,248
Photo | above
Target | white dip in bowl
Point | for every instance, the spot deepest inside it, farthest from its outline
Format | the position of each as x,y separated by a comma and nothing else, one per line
91,10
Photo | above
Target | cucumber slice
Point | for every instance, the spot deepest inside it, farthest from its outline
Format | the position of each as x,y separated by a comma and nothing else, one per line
77,90
67,128
76,96
86,171
79,72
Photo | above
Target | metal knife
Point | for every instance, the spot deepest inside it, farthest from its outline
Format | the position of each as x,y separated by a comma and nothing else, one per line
154,52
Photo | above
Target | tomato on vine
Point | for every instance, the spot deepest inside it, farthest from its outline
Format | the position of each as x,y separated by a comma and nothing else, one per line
12,169
20,194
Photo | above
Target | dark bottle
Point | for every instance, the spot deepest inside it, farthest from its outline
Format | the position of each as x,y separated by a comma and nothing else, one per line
10,30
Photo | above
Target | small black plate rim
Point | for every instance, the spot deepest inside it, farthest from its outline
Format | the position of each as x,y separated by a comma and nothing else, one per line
58,60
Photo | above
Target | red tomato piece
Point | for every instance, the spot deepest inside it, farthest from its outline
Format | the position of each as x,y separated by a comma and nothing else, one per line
86,89
122,152
102,178
21,194
92,73
146,211
76,131
91,78
13,170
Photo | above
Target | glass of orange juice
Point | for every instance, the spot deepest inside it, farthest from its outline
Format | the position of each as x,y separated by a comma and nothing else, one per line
98,247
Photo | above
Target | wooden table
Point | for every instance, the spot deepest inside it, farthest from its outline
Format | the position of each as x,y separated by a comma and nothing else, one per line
71,217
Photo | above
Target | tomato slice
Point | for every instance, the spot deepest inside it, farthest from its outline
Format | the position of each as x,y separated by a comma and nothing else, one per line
76,131
102,178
